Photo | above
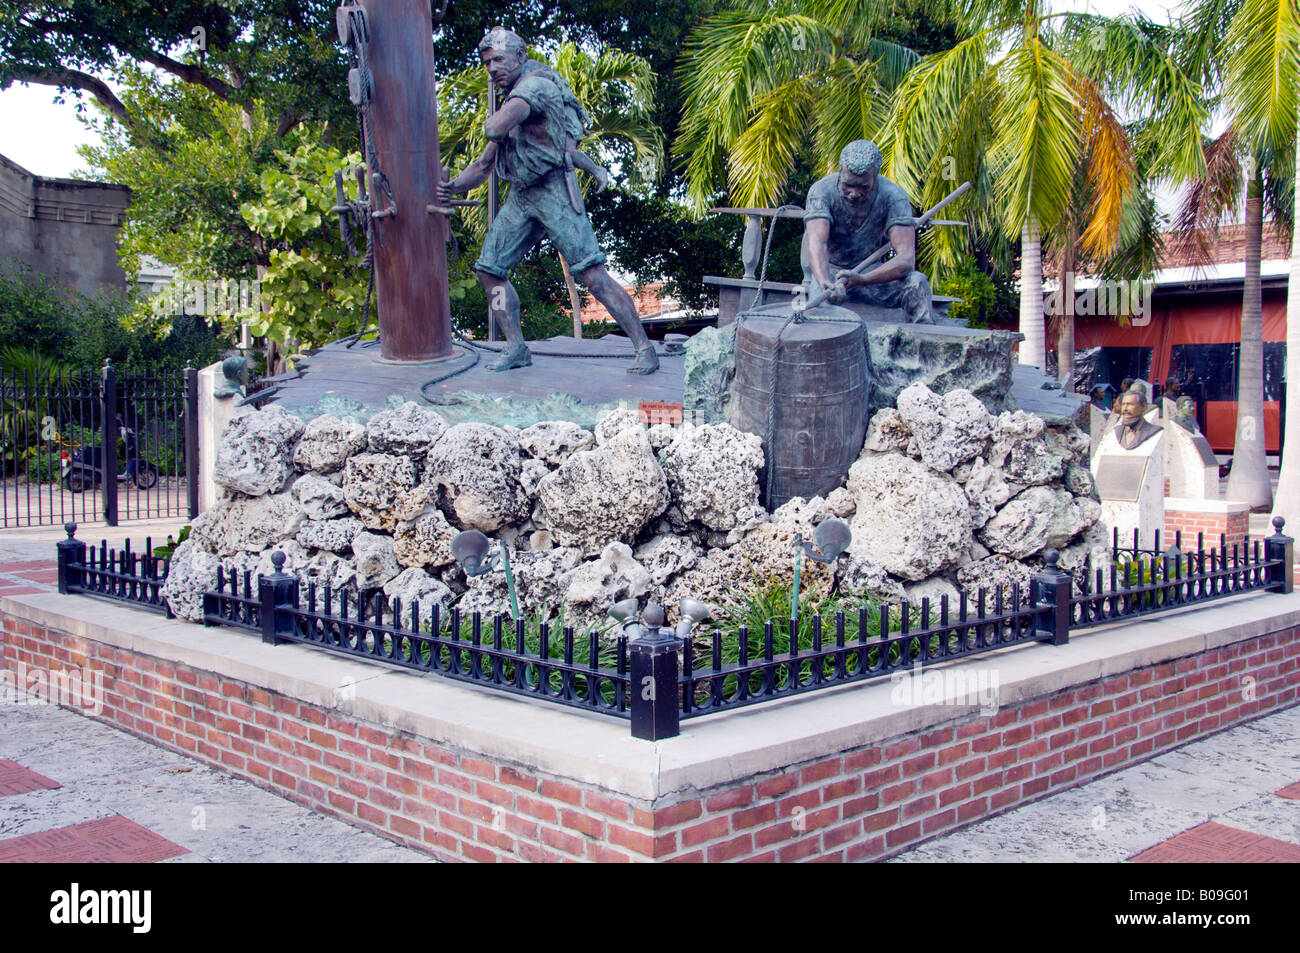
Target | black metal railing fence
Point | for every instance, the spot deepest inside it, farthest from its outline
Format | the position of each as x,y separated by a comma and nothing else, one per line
656,679
106,446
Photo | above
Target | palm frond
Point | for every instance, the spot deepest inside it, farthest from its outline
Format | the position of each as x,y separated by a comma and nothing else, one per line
1261,79
1037,145
762,156
1108,171
928,107
731,63
1208,199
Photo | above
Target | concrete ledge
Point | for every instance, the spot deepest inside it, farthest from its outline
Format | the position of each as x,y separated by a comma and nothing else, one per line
715,750
1190,504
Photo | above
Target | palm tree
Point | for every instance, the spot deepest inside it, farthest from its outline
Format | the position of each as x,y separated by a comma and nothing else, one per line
767,81
1250,50
617,91
1030,103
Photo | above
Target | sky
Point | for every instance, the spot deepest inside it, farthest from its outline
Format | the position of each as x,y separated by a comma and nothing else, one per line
42,136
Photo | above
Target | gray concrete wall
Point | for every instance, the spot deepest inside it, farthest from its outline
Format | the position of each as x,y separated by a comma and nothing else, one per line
65,228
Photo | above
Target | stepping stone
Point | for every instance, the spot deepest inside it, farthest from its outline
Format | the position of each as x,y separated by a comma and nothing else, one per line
109,840
15,779
1216,843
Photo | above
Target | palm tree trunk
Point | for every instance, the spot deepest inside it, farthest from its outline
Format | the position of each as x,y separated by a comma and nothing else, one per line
575,299
1248,481
1031,295
1065,328
1286,503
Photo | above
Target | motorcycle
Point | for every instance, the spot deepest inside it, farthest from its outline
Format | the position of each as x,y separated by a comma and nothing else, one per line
82,466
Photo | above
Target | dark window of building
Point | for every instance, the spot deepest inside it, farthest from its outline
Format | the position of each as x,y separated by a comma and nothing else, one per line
1209,371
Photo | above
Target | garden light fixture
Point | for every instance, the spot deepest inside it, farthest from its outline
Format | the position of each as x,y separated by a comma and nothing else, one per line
471,548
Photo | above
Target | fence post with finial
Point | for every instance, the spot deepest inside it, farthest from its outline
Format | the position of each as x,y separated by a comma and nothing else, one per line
108,434
1051,592
275,593
71,560
656,712
1280,550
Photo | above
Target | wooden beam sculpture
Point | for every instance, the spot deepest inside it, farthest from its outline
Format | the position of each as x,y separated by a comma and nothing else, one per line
393,86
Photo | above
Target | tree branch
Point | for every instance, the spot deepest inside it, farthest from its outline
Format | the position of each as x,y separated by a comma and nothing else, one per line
287,121
76,79
187,72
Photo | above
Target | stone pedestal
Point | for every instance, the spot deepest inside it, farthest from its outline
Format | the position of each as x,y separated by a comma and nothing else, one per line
1131,484
215,416
1191,468
1097,420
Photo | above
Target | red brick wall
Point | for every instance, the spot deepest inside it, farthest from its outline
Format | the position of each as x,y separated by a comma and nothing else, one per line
860,804
1191,522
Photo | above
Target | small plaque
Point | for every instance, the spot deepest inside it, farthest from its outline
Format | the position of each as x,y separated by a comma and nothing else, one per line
1120,477
659,412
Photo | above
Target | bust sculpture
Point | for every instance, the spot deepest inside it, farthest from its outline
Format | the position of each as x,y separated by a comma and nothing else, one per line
1185,414
1134,429
235,372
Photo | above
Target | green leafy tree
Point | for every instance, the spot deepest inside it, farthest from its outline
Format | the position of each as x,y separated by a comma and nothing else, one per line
313,291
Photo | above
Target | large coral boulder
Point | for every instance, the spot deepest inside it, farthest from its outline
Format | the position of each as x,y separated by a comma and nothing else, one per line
712,473
1038,518
374,560
327,443
1025,452
320,499
414,590
604,495
554,441
409,431
596,585
193,572
255,457
948,430
474,470
910,520
247,524
425,541
382,490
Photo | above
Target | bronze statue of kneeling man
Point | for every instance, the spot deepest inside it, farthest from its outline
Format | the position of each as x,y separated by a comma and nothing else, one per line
851,213
533,140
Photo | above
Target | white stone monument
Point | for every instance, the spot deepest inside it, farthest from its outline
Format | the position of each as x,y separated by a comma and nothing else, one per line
217,409
1129,470
1190,464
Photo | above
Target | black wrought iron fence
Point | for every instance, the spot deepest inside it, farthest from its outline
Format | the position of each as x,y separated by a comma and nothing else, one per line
654,677
90,447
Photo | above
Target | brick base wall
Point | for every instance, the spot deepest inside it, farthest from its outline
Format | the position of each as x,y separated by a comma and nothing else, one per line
863,803
1190,521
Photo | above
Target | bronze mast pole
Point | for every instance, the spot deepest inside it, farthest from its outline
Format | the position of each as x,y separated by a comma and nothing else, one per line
410,252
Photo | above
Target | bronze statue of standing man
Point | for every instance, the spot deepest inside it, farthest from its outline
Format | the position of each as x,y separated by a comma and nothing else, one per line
533,140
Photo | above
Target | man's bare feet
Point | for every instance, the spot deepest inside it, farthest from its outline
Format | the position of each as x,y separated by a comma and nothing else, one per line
516,355
647,361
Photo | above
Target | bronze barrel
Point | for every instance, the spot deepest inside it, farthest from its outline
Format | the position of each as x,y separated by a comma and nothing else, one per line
820,401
